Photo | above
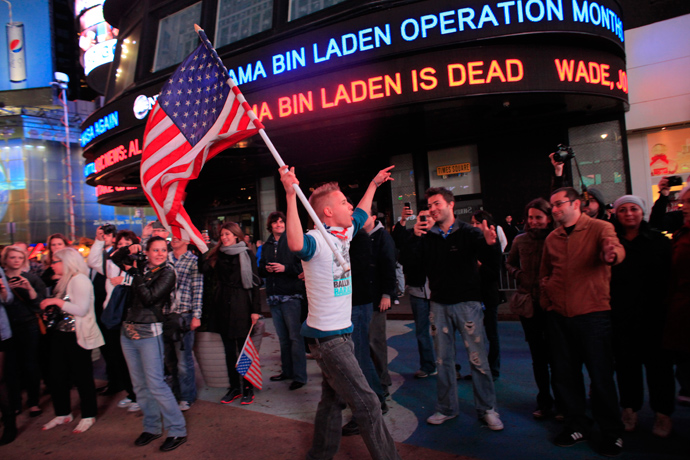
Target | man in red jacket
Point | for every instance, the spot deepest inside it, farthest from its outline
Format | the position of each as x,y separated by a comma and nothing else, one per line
575,283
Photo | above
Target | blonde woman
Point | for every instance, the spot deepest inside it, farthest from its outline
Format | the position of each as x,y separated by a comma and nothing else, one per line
72,338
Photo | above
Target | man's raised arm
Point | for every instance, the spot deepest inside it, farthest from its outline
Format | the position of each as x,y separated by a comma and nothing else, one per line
293,226
383,176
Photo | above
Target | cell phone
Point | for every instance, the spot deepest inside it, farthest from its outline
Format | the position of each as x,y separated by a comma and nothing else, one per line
407,204
422,218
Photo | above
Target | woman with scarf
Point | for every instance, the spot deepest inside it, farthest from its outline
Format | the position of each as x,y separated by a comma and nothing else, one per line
231,301
73,336
523,265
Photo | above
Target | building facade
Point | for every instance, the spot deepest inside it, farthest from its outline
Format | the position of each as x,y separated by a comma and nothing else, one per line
472,97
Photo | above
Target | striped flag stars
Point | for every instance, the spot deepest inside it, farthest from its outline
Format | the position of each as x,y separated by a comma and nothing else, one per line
187,91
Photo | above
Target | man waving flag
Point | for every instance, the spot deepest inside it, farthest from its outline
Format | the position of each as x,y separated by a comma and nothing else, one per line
200,112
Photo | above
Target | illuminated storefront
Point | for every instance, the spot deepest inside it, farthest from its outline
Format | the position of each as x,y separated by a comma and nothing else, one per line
357,85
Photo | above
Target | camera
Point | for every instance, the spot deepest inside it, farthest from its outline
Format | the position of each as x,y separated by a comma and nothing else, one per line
563,154
674,181
139,258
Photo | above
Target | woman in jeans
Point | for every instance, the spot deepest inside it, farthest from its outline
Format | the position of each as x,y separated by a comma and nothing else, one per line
231,301
28,292
142,344
72,337
282,268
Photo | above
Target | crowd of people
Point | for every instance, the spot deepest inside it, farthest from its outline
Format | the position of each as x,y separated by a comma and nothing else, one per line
588,293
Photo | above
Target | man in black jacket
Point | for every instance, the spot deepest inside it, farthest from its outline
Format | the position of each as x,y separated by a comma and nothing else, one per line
383,291
449,251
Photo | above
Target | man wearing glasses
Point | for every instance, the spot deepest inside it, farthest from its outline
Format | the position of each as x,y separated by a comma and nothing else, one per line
575,279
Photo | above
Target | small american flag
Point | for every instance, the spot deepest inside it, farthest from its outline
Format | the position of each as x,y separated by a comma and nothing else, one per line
200,112
248,365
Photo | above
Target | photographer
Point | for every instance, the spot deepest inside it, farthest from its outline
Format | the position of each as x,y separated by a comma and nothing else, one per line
660,218
594,204
142,344
73,335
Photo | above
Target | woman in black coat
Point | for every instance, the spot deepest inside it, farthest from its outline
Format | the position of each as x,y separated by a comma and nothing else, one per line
231,301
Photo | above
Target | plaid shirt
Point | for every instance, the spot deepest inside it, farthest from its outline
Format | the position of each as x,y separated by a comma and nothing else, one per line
189,289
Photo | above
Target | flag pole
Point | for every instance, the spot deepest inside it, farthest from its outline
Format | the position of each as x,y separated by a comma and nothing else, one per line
276,155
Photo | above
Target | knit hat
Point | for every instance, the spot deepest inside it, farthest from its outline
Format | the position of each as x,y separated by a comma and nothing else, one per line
629,199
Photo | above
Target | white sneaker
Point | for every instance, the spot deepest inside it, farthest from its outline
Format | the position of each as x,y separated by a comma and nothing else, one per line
184,406
124,403
134,407
438,418
493,420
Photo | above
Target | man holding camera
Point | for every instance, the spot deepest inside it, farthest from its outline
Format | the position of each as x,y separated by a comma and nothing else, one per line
450,251
575,278
189,290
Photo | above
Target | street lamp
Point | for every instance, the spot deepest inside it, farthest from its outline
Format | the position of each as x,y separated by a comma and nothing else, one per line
60,82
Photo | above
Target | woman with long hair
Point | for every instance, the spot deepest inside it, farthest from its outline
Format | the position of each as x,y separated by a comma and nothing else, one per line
523,264
72,338
231,301
638,315
28,292
55,242
142,344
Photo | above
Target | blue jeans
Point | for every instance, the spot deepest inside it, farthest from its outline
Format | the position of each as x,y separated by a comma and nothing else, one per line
344,384
420,312
286,319
180,364
585,339
361,318
145,362
468,319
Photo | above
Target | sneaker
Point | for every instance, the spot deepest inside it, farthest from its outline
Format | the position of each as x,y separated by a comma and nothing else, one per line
493,420
134,407
662,426
541,414
231,395
184,406
420,374
683,400
559,417
611,447
629,419
248,396
123,403
569,438
438,418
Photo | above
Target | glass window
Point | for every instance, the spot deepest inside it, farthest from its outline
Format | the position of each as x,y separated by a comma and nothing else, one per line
238,19
129,51
300,8
456,169
599,150
176,37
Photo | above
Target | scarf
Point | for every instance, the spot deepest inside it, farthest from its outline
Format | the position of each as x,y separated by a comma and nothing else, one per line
240,249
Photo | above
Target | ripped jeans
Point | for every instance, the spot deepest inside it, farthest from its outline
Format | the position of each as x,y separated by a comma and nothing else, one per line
468,319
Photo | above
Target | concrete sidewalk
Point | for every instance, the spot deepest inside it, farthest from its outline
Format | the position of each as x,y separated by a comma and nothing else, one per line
279,425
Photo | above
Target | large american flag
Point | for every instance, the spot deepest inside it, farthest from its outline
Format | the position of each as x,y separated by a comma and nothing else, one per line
248,364
200,112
